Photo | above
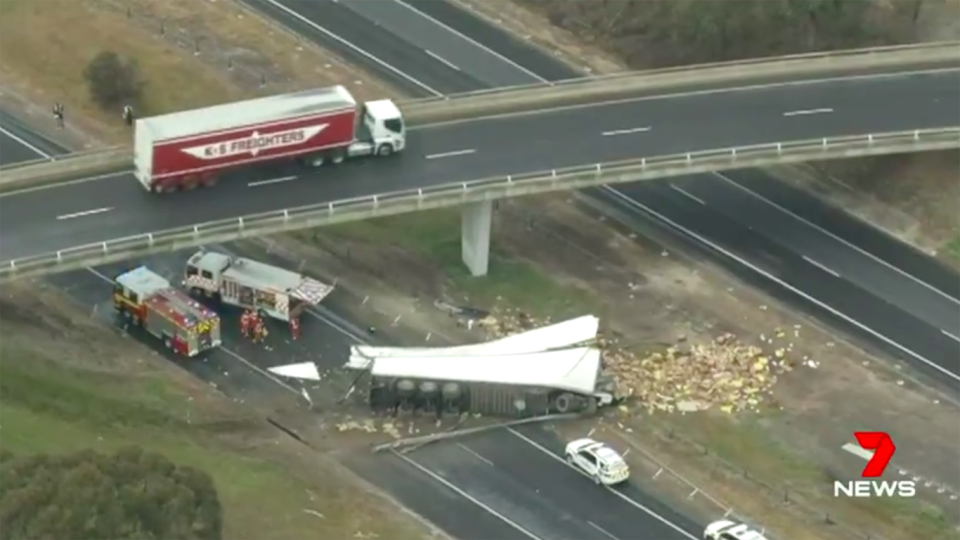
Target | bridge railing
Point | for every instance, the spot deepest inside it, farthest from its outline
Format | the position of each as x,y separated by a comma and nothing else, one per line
77,165
540,96
459,193
930,52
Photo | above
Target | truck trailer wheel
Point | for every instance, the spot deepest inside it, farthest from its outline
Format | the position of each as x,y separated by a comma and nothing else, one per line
563,403
384,150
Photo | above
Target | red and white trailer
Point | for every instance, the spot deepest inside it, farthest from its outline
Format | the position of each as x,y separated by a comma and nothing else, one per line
188,149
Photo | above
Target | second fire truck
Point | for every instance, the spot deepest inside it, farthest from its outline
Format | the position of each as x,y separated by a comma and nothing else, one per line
278,293
146,300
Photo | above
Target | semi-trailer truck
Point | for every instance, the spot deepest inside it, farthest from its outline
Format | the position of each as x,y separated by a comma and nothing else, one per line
190,149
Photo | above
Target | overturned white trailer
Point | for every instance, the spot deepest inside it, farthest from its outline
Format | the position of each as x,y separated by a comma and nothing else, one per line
519,385
579,331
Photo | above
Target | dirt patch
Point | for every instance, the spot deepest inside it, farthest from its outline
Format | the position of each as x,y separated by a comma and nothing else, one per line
190,54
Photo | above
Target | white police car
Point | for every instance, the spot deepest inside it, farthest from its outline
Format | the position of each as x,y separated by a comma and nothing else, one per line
725,529
598,461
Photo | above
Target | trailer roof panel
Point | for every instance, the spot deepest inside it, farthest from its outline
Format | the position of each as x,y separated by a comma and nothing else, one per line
246,113
555,336
574,370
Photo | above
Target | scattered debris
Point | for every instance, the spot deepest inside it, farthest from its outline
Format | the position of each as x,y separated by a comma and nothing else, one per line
304,370
724,373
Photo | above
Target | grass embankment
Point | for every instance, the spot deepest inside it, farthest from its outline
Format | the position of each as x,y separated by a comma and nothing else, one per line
718,442
46,407
48,45
435,235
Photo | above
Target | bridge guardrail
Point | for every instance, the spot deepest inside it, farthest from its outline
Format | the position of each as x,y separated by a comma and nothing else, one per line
931,52
545,95
480,190
624,85
41,172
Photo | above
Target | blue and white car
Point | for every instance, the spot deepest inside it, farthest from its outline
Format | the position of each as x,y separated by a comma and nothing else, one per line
598,461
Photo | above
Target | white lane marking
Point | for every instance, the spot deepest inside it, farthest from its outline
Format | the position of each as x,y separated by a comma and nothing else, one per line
441,59
629,501
688,94
601,530
248,363
784,284
476,455
25,143
838,239
857,451
808,112
951,336
472,41
466,495
626,131
451,154
355,48
85,213
820,266
271,181
683,192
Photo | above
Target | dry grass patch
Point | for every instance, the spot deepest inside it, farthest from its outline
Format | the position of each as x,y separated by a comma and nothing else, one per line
47,45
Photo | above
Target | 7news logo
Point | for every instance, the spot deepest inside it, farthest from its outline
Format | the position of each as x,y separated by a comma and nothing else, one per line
883,450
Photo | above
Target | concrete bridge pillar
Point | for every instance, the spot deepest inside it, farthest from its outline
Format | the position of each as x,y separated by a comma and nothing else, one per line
477,218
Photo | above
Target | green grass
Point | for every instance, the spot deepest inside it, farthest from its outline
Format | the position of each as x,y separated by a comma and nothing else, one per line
746,447
953,247
436,235
50,408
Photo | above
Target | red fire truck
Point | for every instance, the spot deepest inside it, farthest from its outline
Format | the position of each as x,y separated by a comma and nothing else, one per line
145,299
192,148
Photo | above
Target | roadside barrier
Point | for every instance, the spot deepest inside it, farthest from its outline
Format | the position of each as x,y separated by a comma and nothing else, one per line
455,194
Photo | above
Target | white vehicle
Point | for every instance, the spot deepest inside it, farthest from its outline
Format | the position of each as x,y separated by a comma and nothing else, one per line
725,529
279,293
598,461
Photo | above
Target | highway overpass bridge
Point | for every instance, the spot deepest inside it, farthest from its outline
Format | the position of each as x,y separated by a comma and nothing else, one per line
619,129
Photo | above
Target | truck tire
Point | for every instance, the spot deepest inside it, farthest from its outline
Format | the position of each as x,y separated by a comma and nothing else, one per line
563,403
338,157
384,150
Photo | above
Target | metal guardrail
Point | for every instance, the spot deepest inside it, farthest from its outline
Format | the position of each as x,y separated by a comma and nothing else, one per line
703,77
525,98
932,51
480,190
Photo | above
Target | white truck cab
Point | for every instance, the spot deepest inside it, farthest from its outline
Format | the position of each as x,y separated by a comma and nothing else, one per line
383,130
725,529
598,461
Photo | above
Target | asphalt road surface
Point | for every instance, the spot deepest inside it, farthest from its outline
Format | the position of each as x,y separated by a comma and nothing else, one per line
835,265
46,220
519,477
861,279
